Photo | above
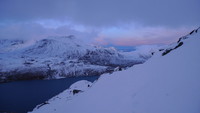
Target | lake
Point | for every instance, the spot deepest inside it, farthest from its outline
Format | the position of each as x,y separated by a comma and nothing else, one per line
23,96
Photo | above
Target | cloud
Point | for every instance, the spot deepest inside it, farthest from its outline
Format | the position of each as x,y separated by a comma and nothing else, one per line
36,31
119,22
104,12
140,35
124,35
21,31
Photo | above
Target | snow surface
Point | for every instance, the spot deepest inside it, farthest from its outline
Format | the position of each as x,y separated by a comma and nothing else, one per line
66,95
164,84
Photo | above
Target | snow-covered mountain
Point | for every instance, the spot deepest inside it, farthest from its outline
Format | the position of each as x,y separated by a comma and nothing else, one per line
167,83
57,57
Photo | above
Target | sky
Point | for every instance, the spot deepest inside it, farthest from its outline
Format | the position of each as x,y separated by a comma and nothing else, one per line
101,22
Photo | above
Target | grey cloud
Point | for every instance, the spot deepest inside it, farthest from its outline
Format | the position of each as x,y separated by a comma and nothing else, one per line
35,31
105,12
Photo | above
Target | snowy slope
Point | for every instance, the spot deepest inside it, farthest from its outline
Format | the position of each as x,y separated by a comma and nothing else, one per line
58,57
167,83
7,45
57,46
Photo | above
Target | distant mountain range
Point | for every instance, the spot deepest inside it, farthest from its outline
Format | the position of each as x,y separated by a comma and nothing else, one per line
58,57
122,48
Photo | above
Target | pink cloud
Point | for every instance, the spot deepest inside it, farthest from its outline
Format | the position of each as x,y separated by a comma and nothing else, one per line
139,36
124,34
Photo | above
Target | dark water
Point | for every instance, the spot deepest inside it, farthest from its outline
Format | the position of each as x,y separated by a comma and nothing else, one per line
23,96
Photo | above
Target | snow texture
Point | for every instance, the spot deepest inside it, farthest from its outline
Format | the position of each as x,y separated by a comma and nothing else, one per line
164,84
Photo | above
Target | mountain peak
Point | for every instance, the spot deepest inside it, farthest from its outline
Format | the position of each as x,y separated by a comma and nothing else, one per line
64,37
